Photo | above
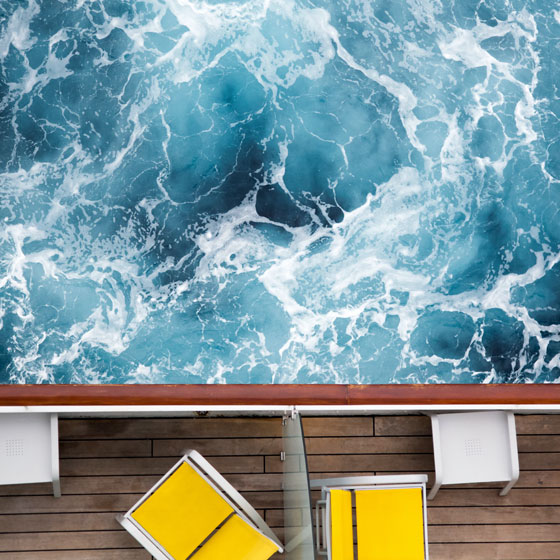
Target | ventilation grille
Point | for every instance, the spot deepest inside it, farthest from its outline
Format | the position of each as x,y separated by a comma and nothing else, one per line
473,448
13,448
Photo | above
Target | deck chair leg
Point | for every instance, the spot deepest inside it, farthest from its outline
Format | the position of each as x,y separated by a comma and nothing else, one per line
507,487
54,456
56,488
434,490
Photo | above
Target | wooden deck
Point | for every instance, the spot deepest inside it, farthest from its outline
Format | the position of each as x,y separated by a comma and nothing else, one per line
107,464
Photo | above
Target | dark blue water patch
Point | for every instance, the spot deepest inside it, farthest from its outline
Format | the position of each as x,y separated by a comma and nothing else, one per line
98,134
542,297
7,133
7,340
311,167
502,48
184,116
482,256
274,203
524,255
465,13
442,333
5,363
502,338
550,375
530,354
115,44
488,138
48,20
476,360
13,67
552,350
231,91
553,159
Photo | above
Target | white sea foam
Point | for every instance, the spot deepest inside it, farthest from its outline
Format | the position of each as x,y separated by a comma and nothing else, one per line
17,31
465,46
406,98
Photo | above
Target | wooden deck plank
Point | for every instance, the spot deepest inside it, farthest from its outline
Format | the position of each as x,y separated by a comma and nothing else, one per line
159,428
314,446
494,551
68,504
351,463
218,446
115,554
539,461
132,484
401,462
84,485
489,497
68,540
338,426
268,446
402,426
107,502
537,423
357,445
527,479
200,428
99,449
494,533
40,522
405,444
494,515
153,465
413,425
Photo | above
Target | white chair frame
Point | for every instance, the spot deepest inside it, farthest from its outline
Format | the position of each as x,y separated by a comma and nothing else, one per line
42,453
239,504
513,457
322,507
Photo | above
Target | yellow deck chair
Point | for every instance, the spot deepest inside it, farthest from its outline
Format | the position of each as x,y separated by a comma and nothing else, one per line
193,512
390,514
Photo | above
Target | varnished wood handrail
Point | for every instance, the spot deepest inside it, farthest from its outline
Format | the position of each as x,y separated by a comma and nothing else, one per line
269,395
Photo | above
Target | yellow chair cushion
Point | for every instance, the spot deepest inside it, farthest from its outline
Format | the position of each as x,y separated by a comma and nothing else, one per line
342,538
182,512
236,540
390,524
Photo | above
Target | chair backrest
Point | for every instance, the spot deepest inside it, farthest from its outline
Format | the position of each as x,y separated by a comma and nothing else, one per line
194,512
479,446
390,517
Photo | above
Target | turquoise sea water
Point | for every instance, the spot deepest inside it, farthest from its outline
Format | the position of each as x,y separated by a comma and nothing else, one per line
279,191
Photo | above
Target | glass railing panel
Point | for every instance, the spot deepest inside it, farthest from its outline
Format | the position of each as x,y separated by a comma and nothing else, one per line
298,522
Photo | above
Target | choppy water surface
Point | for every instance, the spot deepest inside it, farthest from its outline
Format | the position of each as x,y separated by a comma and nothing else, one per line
279,191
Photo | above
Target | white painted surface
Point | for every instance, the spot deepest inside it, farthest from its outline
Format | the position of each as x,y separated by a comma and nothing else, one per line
275,410
25,448
474,447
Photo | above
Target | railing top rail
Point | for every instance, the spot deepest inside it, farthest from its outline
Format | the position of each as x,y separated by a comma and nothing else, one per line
279,395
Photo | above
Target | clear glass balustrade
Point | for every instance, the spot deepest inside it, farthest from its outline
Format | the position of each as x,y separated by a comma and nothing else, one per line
299,537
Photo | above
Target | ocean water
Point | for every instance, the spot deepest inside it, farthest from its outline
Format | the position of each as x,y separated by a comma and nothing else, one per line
279,191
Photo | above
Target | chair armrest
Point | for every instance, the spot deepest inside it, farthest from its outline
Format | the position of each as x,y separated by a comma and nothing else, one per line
353,481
